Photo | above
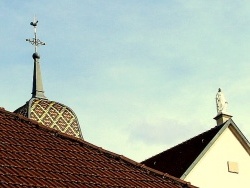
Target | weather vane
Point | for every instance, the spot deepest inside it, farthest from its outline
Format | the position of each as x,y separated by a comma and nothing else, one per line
35,41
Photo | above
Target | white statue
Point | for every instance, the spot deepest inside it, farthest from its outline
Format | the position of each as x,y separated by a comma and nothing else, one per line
221,102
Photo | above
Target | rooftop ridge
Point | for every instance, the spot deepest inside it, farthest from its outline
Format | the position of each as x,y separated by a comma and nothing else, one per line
82,142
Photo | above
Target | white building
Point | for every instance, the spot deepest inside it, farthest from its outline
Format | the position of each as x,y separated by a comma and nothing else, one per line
219,157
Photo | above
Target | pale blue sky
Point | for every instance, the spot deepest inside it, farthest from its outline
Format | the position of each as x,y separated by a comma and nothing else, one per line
140,75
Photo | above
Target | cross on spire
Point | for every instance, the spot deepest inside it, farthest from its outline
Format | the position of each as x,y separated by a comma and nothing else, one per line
37,89
35,41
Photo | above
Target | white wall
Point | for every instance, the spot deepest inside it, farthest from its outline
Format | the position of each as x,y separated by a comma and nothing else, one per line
212,171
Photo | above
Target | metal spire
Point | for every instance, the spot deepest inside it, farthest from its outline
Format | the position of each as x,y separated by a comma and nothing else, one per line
37,90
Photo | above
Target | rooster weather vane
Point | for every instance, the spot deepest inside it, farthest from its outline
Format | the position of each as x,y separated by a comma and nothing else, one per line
35,41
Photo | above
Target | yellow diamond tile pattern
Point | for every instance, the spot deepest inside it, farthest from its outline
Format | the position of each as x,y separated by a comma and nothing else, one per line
56,116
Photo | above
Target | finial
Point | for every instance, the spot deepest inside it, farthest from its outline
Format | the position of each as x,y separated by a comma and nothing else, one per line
221,102
35,41
37,90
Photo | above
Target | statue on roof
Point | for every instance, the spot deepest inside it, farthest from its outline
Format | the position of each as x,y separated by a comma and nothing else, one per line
221,102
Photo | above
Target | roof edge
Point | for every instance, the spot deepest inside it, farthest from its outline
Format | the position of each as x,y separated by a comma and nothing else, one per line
240,136
226,125
156,172
205,150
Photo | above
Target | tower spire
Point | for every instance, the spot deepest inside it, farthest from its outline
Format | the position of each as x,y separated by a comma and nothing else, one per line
37,89
39,108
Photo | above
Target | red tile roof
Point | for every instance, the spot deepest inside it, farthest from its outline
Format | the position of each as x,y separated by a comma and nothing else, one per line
33,155
177,160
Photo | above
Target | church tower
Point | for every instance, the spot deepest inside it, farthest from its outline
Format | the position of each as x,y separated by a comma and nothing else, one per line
49,113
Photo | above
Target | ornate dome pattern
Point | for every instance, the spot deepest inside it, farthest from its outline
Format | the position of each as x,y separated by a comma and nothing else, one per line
52,114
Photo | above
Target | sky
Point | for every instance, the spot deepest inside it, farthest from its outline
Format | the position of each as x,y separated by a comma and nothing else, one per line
141,76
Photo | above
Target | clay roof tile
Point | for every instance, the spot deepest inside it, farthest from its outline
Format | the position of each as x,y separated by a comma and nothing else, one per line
33,155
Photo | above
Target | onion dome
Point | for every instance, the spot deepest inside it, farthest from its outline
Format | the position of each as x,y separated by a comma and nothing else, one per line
52,114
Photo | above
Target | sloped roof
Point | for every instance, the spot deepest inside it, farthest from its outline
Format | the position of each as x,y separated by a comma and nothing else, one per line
178,159
33,155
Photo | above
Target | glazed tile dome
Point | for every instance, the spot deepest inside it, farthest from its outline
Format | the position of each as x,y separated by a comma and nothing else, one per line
52,114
